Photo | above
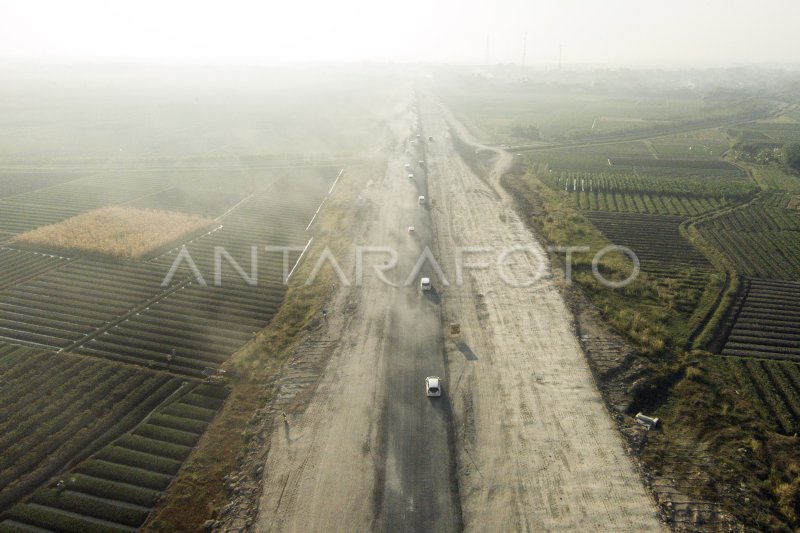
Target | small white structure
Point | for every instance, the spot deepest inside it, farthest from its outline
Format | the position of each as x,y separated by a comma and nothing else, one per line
421,200
411,230
646,421
411,176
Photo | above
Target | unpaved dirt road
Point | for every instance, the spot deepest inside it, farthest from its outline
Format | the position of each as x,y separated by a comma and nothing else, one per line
520,441
372,451
537,450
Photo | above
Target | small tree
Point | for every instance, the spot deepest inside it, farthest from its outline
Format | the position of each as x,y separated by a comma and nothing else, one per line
791,156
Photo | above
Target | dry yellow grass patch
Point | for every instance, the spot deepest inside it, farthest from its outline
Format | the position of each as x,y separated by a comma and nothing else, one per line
117,231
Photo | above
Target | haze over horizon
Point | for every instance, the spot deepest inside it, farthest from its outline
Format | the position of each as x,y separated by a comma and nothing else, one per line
617,33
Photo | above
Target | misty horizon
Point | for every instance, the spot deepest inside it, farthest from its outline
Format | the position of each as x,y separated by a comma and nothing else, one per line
616,34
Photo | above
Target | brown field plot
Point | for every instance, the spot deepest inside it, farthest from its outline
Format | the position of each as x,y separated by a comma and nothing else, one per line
117,231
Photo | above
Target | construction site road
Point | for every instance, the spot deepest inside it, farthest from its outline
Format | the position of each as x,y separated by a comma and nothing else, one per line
520,439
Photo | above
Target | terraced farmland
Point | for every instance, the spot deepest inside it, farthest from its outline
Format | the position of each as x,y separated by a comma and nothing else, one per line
63,306
115,489
761,240
764,322
180,189
19,265
773,132
638,162
276,217
57,407
190,329
773,388
664,254
647,194
203,202
645,203
17,217
111,326
100,190
21,181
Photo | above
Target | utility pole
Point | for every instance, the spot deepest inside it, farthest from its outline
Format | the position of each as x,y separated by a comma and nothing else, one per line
524,47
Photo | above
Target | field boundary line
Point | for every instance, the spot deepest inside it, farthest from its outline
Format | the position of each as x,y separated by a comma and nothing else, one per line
247,199
325,199
703,336
153,260
109,440
125,316
299,259
65,261
240,202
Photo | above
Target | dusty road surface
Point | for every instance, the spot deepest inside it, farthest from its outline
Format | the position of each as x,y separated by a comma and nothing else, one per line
536,448
520,441
371,451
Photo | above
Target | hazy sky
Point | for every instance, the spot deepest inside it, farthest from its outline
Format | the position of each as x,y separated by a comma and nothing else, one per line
612,32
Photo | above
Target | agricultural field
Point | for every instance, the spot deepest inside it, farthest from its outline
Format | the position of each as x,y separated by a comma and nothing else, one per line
494,107
121,232
16,217
633,178
200,202
605,161
119,317
670,261
113,187
277,216
14,182
249,172
776,132
20,265
115,489
190,329
773,389
760,239
764,321
633,194
104,116
695,144
57,407
63,306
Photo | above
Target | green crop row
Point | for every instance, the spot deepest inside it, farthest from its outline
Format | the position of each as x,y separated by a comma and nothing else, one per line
54,519
124,456
587,161
68,500
645,203
614,182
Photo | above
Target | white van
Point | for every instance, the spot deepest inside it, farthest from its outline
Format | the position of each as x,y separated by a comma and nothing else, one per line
433,387
421,200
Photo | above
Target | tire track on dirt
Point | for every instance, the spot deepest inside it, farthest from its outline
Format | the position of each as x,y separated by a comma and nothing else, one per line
549,454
